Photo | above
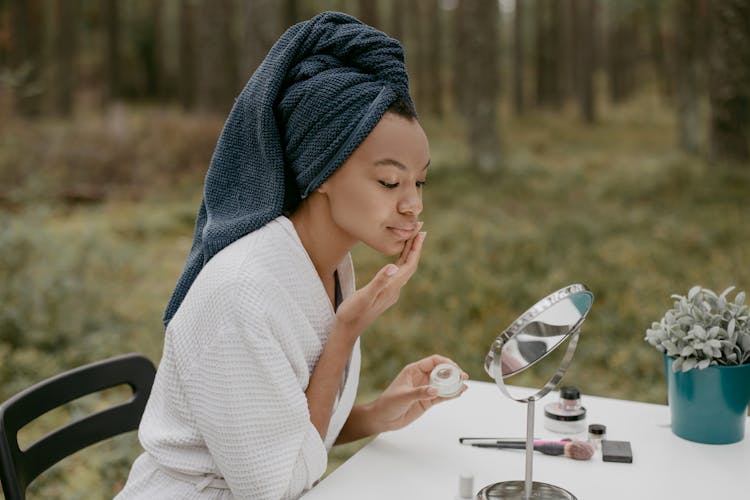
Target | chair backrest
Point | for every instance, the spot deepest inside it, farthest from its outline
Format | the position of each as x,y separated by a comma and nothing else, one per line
19,467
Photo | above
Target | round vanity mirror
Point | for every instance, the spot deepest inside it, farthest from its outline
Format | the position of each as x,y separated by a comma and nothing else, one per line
538,332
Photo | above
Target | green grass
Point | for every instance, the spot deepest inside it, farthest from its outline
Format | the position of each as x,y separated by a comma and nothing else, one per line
613,206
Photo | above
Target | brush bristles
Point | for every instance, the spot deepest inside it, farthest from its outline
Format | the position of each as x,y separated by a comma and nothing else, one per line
579,450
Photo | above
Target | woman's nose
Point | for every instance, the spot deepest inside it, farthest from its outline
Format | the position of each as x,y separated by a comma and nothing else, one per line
412,203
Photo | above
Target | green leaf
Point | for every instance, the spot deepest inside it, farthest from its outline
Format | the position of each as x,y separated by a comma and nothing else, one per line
699,332
714,343
689,364
693,292
677,364
672,349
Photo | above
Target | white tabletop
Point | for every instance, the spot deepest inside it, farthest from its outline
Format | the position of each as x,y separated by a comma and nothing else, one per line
424,460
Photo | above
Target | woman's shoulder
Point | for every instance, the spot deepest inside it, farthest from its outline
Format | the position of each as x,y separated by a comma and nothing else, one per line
259,255
258,267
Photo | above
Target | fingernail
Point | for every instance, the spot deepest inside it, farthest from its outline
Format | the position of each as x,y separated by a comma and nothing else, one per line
391,269
432,391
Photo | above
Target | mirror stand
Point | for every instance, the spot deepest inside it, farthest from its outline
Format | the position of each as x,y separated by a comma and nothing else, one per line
529,489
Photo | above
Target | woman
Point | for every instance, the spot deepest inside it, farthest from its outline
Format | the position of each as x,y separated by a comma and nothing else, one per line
261,357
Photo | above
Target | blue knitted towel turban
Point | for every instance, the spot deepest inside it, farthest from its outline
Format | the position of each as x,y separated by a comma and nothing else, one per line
319,92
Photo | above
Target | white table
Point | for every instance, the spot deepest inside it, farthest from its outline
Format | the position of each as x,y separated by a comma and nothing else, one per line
424,460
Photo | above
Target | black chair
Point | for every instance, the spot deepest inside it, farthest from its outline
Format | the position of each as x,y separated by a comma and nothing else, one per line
19,467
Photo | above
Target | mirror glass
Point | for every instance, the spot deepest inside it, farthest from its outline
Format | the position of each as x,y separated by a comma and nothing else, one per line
540,330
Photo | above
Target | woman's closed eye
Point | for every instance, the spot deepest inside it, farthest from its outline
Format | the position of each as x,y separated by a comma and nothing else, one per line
389,185
393,185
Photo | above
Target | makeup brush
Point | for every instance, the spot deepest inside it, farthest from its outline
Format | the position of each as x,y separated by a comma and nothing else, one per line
577,450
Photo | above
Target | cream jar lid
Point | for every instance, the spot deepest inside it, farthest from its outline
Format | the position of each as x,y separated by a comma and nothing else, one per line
446,378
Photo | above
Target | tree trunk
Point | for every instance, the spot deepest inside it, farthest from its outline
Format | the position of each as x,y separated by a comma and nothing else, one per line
461,33
480,24
622,45
62,64
368,13
263,26
547,54
397,20
518,16
111,12
414,52
154,64
730,80
148,39
216,78
686,70
435,58
427,56
187,54
566,55
292,13
585,10
26,55
656,48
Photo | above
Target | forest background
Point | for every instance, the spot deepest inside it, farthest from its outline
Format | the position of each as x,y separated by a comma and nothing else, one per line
595,141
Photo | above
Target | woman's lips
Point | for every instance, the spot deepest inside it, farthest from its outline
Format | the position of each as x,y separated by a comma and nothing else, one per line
403,232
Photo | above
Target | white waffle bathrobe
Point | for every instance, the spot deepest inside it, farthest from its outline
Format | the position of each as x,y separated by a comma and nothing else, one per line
227,417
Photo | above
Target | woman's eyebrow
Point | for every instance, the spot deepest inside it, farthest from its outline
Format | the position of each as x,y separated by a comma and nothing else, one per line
395,163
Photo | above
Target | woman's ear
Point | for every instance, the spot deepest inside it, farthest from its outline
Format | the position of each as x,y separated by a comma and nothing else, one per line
323,189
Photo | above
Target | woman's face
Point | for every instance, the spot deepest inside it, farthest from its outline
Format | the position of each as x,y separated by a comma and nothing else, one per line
376,196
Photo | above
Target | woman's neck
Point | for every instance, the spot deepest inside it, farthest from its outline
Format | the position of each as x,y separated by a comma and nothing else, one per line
323,240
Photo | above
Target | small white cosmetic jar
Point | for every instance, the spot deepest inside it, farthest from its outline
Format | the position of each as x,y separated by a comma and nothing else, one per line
446,378
566,416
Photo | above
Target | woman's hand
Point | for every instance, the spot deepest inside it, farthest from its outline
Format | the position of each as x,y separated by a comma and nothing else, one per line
360,309
406,399
409,395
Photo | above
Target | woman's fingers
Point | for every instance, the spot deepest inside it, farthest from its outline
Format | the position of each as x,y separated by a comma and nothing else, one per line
408,245
408,266
383,290
426,365
405,251
397,274
381,280
420,393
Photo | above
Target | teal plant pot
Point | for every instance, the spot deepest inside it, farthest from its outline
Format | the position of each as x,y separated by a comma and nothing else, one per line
710,405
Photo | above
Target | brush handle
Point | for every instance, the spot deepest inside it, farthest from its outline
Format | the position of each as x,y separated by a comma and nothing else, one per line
491,440
546,447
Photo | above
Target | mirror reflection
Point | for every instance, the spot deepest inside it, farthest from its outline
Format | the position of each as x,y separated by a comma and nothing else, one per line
538,332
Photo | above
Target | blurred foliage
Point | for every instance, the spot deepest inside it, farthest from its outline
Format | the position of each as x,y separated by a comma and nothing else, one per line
612,206
119,153
55,298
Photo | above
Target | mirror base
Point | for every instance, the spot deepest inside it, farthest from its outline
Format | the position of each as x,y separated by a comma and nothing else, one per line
514,490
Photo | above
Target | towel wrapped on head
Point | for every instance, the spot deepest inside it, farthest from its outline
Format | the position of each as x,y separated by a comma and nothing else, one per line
319,92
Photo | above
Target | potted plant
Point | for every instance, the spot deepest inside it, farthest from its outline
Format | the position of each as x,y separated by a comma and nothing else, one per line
705,339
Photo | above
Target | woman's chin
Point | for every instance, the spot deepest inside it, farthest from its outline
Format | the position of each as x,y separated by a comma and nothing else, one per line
388,249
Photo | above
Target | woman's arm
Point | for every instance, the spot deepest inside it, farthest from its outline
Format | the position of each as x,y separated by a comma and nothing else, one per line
352,317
